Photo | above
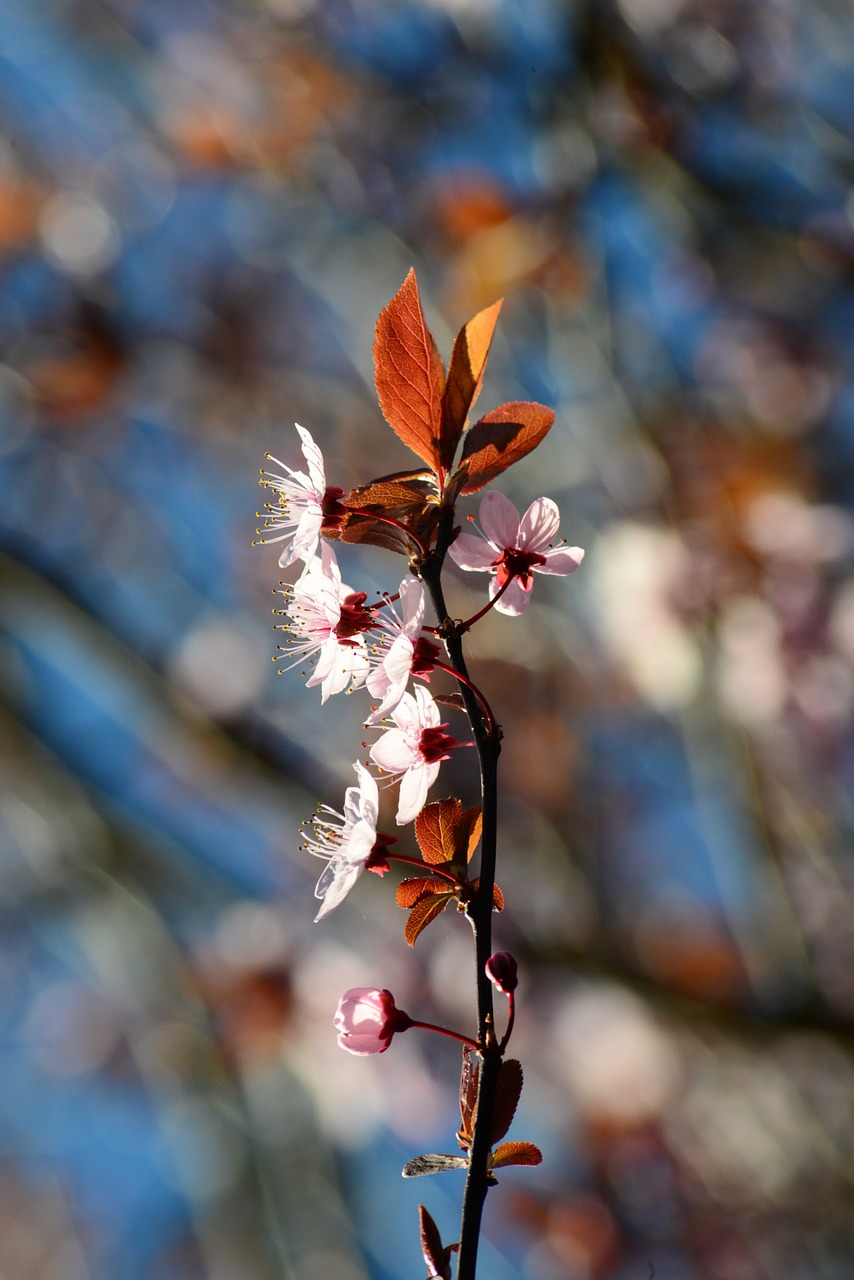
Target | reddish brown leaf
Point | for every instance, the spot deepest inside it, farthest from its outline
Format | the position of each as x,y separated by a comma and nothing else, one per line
508,1090
468,832
497,895
465,376
516,1153
409,892
408,373
422,913
435,829
389,495
452,700
436,1255
375,533
501,438
469,1084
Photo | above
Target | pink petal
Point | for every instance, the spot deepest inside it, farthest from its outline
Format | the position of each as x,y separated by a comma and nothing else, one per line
515,599
560,560
314,461
413,791
499,520
539,525
394,751
413,603
428,711
470,552
334,884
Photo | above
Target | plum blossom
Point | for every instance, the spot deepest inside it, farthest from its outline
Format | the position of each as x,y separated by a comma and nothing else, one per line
349,841
325,624
413,750
367,1019
513,550
410,652
306,505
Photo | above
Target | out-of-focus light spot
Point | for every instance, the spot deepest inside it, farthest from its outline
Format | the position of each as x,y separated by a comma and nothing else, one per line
741,1120
291,10
841,625
70,1031
207,1152
79,234
678,944
250,935
823,688
702,59
783,524
221,666
620,1066
751,677
649,16
635,569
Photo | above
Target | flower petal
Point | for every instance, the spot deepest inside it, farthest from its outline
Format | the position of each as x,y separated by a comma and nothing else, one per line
414,786
499,520
560,560
515,599
472,553
395,751
314,461
336,881
539,525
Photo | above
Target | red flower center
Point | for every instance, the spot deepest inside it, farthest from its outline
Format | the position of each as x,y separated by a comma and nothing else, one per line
354,618
513,563
333,511
435,744
424,655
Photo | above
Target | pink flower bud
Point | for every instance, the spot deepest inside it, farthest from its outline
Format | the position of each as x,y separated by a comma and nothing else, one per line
501,971
366,1020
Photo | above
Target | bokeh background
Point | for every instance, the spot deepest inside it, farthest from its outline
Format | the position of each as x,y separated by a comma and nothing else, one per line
203,206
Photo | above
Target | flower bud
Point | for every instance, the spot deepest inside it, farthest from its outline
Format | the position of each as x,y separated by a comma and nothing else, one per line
366,1020
501,971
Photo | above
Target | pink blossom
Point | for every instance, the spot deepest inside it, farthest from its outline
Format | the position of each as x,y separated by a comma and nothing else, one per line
349,842
410,652
366,1020
306,506
413,750
325,624
513,550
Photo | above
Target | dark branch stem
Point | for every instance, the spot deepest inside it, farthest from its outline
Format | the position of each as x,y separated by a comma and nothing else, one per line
488,743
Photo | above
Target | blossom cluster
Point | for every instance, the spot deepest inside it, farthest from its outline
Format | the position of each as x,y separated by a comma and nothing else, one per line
350,644
344,642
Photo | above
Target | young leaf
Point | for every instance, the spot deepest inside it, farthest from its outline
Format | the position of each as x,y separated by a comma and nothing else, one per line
409,375
516,1153
507,1093
469,830
436,1255
469,1084
411,891
447,834
424,911
433,1164
497,895
465,376
501,438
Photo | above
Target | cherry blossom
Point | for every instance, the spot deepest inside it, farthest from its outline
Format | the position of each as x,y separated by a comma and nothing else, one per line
325,624
367,1019
306,505
413,750
513,550
349,841
410,652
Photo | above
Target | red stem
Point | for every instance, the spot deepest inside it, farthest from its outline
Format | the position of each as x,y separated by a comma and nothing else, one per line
425,866
485,707
476,617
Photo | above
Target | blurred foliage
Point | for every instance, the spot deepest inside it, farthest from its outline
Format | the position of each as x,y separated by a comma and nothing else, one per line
203,206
